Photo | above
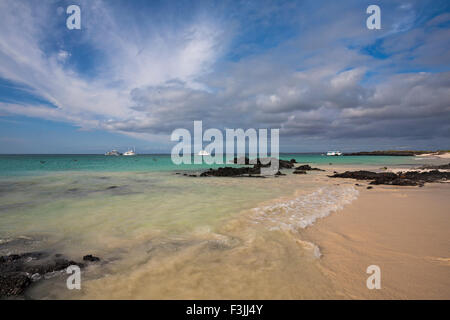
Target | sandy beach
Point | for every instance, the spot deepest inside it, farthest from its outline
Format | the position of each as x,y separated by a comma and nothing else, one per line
403,230
445,155
163,234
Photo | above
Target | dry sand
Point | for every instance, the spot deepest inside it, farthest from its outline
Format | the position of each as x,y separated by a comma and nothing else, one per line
442,155
403,230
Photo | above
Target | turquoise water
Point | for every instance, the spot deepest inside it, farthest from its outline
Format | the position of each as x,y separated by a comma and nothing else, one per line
35,164
164,235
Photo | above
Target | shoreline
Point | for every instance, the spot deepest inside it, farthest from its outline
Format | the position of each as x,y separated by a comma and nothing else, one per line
445,155
298,244
402,230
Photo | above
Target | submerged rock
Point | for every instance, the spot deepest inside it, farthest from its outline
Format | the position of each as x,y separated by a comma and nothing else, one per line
18,271
91,258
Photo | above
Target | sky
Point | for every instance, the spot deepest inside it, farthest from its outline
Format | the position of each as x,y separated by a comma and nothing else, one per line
137,70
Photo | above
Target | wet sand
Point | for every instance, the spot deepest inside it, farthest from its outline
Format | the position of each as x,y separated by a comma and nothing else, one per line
403,230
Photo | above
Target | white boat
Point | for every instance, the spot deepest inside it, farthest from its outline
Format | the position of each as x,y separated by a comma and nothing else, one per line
334,153
203,153
130,152
113,153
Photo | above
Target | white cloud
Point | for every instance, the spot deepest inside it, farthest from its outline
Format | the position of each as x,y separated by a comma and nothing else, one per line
132,61
153,77
63,55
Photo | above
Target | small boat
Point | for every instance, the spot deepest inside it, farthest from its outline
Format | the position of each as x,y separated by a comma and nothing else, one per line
130,152
203,153
113,153
334,153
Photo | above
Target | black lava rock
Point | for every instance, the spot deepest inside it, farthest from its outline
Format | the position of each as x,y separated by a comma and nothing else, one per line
307,167
13,284
18,271
91,258
411,178
231,172
443,166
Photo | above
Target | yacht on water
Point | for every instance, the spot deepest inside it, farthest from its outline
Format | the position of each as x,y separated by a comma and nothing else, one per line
334,153
113,153
130,152
203,153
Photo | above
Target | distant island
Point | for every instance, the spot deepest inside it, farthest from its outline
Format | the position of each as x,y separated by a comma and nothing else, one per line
405,153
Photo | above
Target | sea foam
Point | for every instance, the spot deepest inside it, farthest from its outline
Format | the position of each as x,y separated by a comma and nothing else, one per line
304,210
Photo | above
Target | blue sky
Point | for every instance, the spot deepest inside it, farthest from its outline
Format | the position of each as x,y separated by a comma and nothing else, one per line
138,69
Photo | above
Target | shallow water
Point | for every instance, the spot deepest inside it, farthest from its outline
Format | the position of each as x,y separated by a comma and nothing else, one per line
164,235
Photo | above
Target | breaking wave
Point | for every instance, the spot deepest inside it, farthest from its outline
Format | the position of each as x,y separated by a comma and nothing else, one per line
306,209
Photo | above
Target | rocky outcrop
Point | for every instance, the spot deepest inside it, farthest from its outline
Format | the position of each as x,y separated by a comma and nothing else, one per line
411,178
426,176
254,171
443,166
232,172
19,271
405,153
307,167
14,284
91,258
361,175
283,164
265,162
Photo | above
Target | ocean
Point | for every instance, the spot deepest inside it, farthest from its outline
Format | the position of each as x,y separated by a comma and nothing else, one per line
163,235
13,165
